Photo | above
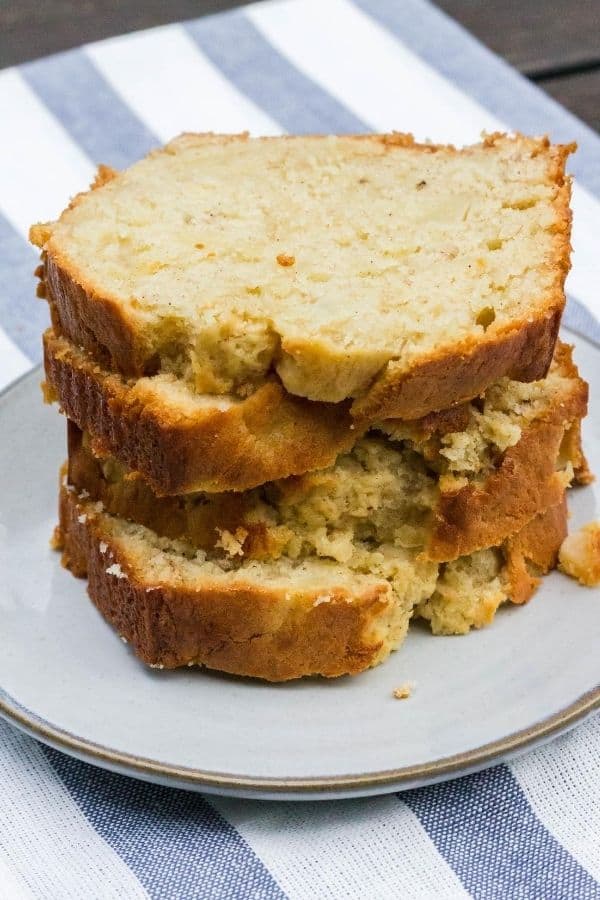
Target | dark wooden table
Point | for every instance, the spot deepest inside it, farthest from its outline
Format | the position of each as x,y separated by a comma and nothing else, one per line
556,44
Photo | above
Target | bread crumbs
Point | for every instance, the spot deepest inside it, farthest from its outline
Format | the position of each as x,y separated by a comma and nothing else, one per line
404,691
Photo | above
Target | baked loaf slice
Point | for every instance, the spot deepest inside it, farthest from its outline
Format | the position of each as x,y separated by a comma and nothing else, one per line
183,441
445,492
285,618
406,276
180,442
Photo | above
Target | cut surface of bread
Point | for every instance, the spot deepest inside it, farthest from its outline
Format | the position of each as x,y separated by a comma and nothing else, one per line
470,590
501,459
406,276
285,618
519,450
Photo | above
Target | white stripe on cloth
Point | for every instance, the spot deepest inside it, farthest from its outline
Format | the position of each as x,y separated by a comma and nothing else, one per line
355,849
561,781
584,277
45,835
388,86
13,363
162,75
368,70
40,166
12,884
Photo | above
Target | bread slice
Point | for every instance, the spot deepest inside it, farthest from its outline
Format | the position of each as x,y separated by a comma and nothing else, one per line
285,618
443,491
182,441
406,276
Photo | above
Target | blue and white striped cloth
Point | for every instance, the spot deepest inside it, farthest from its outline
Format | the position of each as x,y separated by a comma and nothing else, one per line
528,829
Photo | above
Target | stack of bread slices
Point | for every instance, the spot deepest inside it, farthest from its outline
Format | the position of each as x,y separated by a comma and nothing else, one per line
314,391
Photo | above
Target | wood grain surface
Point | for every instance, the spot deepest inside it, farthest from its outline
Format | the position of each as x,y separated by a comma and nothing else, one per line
539,37
557,44
580,93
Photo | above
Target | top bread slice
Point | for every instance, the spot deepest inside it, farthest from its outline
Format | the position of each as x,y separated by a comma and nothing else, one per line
405,276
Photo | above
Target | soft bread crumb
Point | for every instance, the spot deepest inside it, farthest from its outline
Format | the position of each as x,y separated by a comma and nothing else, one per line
404,691
232,544
322,598
579,555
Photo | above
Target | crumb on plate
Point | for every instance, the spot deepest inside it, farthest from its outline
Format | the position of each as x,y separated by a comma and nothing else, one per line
579,555
404,691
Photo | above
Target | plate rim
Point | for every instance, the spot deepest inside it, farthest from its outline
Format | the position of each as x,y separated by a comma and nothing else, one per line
222,782
404,777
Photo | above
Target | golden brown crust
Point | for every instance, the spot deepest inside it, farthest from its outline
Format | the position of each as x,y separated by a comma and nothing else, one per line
534,551
453,374
267,436
199,524
96,323
522,352
244,631
438,423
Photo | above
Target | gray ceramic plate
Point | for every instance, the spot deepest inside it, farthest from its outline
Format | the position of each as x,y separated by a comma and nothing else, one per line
67,679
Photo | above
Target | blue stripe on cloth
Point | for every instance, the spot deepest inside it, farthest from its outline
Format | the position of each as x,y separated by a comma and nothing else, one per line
579,319
88,108
450,50
258,70
486,830
22,315
174,841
